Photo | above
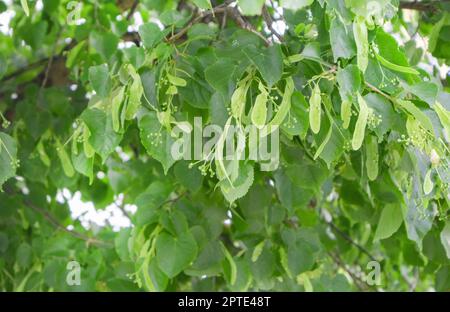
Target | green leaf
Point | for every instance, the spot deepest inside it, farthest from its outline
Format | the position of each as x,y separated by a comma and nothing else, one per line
295,4
341,39
190,178
24,255
99,79
240,186
425,91
445,238
3,65
417,114
269,62
74,54
382,109
298,122
349,80
156,139
116,109
390,52
150,201
135,55
428,183
220,74
434,36
390,220
105,43
174,254
202,4
121,244
8,158
300,250
151,34
322,145
333,147
417,223
251,7
444,116
64,159
307,176
103,138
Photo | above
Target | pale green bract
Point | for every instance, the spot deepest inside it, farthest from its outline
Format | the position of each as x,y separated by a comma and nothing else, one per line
362,43
25,7
361,123
315,111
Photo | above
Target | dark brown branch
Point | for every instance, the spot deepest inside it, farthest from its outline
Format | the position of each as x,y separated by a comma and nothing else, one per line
23,70
38,63
198,17
173,200
50,63
430,6
269,21
125,213
232,12
132,9
51,219
358,281
351,241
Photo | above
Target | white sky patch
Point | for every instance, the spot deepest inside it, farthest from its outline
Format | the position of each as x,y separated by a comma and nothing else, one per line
39,5
90,217
5,19
138,21
125,44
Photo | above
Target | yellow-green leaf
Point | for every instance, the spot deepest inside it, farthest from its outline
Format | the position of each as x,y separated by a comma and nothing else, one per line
65,159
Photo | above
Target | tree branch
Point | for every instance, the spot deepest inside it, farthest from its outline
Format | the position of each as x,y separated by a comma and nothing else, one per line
232,12
430,6
269,21
132,9
351,241
51,219
362,286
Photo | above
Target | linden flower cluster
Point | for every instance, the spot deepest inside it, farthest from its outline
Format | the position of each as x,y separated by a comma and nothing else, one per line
373,120
15,163
156,138
5,122
416,138
204,168
290,124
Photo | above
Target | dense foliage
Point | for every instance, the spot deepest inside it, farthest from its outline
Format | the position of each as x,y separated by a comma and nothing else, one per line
90,92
